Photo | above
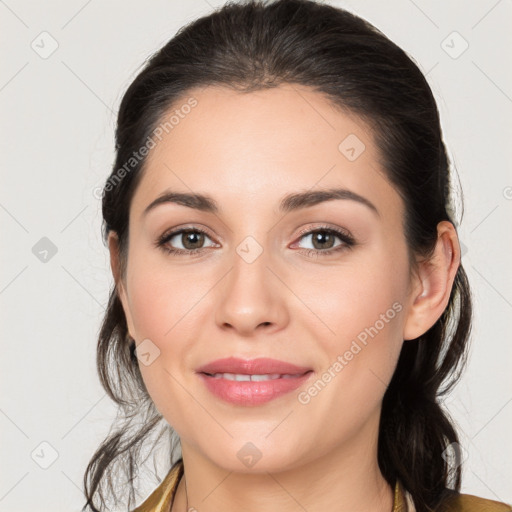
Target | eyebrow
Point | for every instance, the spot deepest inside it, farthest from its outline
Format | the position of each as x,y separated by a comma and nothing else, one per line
290,202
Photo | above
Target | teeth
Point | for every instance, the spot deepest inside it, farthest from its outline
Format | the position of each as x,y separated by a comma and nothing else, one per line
253,378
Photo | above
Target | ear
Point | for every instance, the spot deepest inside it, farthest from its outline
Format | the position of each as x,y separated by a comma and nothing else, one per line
115,265
433,283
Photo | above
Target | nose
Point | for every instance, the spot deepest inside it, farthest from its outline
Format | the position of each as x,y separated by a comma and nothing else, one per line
251,297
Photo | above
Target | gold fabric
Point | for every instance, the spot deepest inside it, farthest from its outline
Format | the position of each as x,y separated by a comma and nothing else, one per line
160,499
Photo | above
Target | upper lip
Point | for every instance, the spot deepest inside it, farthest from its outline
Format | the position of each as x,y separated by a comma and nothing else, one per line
259,366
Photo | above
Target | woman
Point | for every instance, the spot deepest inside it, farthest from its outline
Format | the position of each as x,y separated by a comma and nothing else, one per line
289,304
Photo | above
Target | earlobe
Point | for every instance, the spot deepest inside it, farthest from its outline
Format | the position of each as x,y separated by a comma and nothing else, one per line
433,283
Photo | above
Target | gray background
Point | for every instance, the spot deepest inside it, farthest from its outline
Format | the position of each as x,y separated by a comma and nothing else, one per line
58,117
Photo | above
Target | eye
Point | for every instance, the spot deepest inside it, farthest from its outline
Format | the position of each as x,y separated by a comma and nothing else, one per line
323,240
190,239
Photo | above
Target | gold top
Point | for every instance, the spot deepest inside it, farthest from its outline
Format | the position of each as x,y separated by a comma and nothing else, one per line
160,499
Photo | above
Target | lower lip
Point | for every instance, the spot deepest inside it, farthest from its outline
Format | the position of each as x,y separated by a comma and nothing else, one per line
252,393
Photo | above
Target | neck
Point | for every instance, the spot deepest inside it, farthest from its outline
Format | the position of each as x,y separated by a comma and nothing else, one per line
348,481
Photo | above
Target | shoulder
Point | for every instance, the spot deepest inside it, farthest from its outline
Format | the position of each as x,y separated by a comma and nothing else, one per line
469,503
160,499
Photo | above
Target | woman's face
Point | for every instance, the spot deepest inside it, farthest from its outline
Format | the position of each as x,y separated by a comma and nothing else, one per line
264,283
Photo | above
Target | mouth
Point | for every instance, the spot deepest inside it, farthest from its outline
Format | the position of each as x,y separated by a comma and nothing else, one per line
252,382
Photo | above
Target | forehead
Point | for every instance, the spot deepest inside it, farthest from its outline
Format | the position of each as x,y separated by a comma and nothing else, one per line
254,148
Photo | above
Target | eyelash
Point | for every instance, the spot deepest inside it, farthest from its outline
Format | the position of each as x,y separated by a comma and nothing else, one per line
345,237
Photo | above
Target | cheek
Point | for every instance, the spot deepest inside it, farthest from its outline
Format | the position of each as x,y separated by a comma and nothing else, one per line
159,304
351,298
362,312
150,306
160,297
165,305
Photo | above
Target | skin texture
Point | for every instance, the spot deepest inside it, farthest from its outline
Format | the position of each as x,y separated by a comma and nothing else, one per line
248,151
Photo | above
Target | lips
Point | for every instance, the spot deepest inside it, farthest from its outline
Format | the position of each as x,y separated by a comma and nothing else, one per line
260,366
253,382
